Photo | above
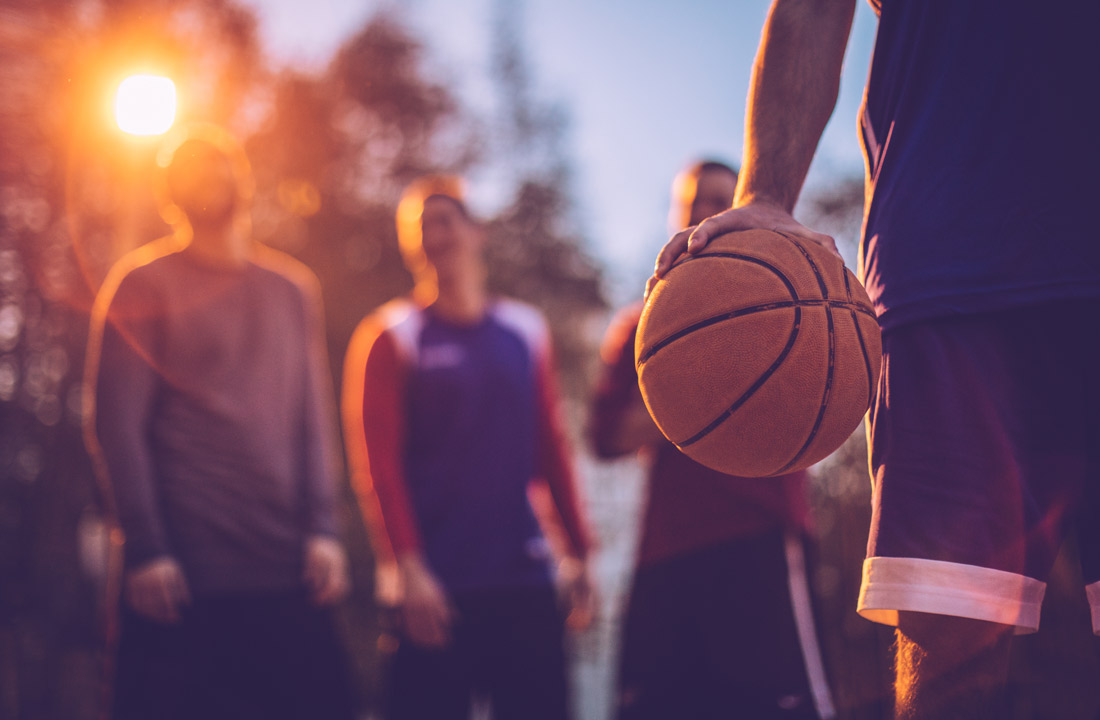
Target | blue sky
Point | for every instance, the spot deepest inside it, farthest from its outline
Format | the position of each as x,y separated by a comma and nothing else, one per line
649,85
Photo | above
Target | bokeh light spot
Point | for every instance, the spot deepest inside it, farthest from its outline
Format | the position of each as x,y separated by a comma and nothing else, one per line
299,197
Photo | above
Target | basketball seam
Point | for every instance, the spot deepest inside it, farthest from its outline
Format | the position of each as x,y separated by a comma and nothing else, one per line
743,312
832,359
764,377
862,345
794,302
722,417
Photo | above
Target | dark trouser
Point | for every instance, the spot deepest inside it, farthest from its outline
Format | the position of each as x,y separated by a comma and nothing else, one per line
270,656
712,635
985,453
506,644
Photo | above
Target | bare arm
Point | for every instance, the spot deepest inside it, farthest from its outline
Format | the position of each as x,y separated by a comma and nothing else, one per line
795,82
794,87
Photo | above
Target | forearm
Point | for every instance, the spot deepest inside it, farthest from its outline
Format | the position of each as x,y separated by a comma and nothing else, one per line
794,87
411,561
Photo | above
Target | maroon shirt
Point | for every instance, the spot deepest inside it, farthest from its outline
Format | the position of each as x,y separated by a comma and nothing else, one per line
690,506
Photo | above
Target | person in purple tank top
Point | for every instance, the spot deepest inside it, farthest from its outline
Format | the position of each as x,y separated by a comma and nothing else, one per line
212,426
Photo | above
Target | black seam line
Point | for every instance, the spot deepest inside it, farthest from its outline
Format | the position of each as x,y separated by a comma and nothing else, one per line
862,345
738,256
709,321
753,388
832,361
813,266
714,320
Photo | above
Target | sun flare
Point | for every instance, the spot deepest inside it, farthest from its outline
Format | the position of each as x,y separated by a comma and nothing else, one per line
145,105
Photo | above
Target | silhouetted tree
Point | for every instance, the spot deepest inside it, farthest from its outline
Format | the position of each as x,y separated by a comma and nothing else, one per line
536,248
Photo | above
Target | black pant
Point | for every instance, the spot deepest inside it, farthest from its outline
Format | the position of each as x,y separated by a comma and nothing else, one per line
711,635
234,658
506,644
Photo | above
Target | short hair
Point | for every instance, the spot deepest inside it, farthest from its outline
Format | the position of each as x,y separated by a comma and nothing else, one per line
411,208
213,136
686,184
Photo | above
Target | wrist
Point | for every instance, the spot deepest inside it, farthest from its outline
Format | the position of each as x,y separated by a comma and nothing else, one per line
151,561
322,537
761,199
138,555
573,564
411,563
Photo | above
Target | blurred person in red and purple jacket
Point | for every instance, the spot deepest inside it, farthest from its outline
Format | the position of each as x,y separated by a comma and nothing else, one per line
450,417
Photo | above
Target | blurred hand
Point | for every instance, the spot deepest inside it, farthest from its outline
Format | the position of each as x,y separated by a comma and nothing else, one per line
158,590
326,570
578,593
426,612
759,214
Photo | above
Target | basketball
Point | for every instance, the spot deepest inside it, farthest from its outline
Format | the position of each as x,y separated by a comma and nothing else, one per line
760,355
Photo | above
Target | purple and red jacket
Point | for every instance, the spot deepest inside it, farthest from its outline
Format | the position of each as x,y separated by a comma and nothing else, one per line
447,426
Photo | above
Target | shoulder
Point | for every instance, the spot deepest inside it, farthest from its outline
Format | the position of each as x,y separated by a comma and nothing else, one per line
524,320
137,277
399,321
289,270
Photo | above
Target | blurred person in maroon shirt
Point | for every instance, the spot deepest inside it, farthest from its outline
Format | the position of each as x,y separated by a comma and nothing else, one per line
719,622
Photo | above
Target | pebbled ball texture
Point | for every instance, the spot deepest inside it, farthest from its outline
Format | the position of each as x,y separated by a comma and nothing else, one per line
760,355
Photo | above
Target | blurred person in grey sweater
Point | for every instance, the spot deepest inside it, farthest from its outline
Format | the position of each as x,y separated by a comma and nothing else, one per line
212,424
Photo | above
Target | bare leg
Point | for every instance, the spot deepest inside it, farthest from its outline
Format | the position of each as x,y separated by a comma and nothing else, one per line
950,668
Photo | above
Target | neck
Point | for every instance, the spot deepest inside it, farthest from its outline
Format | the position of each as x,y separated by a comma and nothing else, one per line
462,299
219,244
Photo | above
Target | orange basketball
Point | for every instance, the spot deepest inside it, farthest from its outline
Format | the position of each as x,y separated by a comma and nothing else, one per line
760,355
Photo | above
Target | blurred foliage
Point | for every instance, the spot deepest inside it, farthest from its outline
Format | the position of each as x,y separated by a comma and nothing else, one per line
535,247
331,152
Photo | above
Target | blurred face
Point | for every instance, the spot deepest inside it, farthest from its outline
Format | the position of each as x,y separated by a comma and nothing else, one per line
202,184
714,193
450,238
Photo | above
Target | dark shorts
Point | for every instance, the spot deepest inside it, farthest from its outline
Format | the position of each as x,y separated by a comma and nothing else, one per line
507,647
248,656
723,632
985,451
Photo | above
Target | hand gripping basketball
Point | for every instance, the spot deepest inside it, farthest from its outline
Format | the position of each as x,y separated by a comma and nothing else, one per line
759,355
